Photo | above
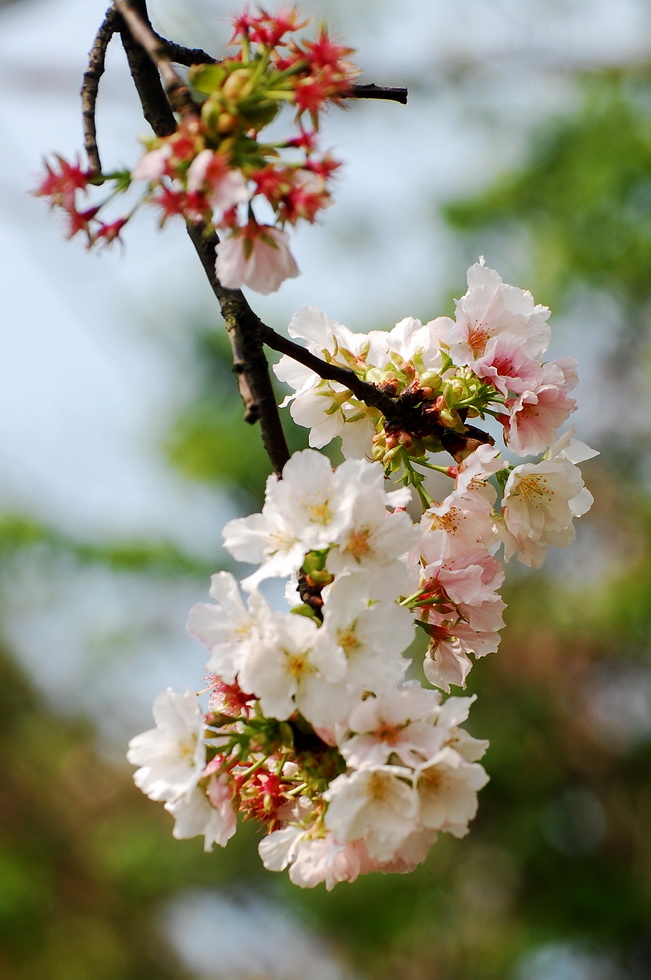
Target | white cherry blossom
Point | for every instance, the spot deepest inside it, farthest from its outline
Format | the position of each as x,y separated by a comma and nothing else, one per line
228,629
289,673
172,755
372,636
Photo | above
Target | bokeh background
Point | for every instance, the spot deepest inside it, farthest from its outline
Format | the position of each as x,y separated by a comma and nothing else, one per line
527,138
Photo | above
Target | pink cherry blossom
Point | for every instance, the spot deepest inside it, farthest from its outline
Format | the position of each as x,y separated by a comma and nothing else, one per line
506,365
258,257
534,418
376,803
540,503
224,188
491,307
398,723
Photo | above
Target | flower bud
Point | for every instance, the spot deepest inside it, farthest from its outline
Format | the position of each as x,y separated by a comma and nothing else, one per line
237,85
430,379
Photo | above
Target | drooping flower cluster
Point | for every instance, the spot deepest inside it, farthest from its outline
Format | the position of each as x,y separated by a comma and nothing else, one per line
314,728
216,167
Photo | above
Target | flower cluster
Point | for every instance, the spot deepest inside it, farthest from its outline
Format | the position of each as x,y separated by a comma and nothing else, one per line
314,729
216,168
487,361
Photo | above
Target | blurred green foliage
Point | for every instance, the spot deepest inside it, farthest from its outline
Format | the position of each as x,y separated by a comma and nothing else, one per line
583,195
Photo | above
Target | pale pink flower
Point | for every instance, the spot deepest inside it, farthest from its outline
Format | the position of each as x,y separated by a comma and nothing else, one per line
400,723
534,418
208,812
491,307
376,803
463,522
447,660
228,630
325,859
153,165
224,188
447,788
288,673
410,854
540,503
258,257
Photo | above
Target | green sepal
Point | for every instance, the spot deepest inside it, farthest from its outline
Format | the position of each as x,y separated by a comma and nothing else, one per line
208,78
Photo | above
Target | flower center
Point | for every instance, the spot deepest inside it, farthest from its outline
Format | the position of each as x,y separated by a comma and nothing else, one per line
534,490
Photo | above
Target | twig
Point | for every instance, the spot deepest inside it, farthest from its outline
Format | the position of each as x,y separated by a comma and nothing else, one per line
90,86
372,91
365,392
187,57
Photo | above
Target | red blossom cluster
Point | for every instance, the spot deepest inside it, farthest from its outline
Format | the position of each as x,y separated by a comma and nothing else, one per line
62,184
215,167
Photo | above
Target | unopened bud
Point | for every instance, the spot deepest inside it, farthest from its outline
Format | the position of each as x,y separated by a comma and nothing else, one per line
226,123
237,85
430,379
449,418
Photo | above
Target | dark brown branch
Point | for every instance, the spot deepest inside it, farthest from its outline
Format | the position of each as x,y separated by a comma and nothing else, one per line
362,390
372,91
249,361
90,87
141,31
400,413
187,57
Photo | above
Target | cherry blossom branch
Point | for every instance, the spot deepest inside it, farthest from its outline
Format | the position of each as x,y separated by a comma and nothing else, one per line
399,415
162,92
365,392
249,362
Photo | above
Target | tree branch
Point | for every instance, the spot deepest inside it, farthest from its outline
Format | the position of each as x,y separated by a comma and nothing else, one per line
365,392
141,31
372,91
